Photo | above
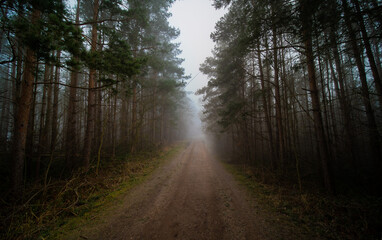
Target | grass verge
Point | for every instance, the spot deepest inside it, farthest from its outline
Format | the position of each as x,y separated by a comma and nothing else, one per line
51,211
327,217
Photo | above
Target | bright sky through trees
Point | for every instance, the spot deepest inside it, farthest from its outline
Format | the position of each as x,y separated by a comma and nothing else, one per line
196,21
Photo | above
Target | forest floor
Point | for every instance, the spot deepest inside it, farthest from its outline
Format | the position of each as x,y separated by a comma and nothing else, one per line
190,197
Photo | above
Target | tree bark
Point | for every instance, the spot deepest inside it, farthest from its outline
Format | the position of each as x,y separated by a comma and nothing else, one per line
134,118
266,108
89,134
71,136
5,113
372,125
55,103
30,134
340,91
114,127
22,116
17,82
279,124
369,52
314,93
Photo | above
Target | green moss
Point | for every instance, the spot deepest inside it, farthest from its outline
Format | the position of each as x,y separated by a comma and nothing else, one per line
88,212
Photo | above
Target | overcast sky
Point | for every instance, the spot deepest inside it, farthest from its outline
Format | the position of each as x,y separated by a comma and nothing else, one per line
196,20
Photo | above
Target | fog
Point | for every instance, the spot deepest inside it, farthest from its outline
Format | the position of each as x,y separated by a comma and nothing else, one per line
196,21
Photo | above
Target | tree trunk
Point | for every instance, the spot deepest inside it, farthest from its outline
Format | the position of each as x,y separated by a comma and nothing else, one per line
89,134
71,136
314,93
30,134
340,92
98,106
134,118
114,127
17,82
3,110
369,52
5,113
279,125
55,103
266,108
373,131
22,116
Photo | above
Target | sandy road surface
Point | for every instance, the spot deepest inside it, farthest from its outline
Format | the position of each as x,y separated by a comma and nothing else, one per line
191,197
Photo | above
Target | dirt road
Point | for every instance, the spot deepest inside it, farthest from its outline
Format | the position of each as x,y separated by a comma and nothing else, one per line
191,197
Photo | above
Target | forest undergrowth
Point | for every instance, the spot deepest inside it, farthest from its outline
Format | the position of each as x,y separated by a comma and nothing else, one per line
44,209
355,216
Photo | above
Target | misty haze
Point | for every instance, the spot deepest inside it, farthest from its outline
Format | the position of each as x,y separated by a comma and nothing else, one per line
190,119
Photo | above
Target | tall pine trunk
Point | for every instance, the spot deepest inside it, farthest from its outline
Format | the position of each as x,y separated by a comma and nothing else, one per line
55,103
369,52
279,122
314,93
71,136
22,115
266,108
134,119
89,134
372,125
339,87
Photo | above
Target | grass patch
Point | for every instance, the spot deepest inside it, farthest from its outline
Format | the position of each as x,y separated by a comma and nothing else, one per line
329,217
48,212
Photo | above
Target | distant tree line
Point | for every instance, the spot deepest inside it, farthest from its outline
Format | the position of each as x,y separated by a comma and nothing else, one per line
101,79
295,87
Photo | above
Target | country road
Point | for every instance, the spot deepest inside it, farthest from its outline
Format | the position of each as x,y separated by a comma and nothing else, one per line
191,197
